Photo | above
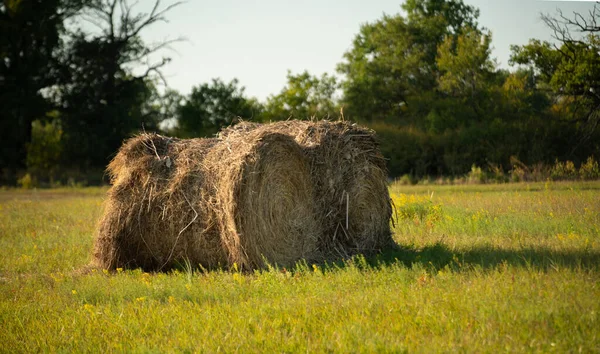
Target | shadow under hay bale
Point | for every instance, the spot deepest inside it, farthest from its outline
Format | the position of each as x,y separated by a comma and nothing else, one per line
211,202
350,182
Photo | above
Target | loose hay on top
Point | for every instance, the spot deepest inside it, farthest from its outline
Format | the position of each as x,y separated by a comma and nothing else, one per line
208,201
350,182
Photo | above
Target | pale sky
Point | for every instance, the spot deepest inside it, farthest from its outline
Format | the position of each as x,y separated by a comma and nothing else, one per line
258,41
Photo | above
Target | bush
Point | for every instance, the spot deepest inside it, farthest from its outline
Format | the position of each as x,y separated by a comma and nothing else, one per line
589,170
476,175
27,182
44,152
496,173
404,148
517,174
416,208
406,180
563,171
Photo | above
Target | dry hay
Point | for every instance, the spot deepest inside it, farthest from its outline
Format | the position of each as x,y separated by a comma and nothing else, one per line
264,196
155,213
350,182
212,202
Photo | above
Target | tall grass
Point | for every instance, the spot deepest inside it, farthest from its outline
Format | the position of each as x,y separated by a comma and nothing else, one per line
490,268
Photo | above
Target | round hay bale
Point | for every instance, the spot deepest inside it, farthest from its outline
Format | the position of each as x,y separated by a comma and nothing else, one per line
263,196
156,215
212,202
350,182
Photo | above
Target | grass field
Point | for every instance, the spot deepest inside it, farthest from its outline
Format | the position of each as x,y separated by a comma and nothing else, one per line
483,268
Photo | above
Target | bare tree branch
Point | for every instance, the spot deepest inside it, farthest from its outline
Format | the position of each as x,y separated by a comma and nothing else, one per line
92,20
112,18
155,68
166,44
582,89
155,16
124,15
578,22
560,29
120,26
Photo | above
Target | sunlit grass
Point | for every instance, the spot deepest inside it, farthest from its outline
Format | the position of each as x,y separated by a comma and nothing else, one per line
481,269
509,216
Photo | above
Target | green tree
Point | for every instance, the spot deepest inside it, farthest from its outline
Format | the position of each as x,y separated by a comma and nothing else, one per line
44,152
425,80
464,63
569,71
167,106
465,77
392,64
303,97
211,106
30,39
102,100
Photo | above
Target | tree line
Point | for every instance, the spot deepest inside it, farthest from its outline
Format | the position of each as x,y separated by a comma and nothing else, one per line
424,80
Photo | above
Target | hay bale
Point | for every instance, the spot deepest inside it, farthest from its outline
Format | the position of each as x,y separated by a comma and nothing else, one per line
264,198
155,214
350,182
207,201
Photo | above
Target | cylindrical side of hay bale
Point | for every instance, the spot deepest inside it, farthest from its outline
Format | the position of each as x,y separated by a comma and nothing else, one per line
155,214
263,194
350,182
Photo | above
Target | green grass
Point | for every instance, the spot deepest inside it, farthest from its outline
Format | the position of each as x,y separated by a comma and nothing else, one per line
485,268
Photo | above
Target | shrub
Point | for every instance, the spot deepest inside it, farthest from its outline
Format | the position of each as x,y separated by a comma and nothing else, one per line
27,181
563,171
406,180
45,149
497,174
476,175
416,208
589,170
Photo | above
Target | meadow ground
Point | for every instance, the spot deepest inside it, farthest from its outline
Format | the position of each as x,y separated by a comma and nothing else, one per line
483,268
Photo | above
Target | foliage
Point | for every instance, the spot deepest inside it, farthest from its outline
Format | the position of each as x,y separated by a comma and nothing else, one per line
166,106
563,170
31,36
210,107
392,62
569,69
416,208
28,181
424,79
464,63
589,170
305,96
102,100
452,153
520,172
476,175
98,115
567,171
44,153
83,75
